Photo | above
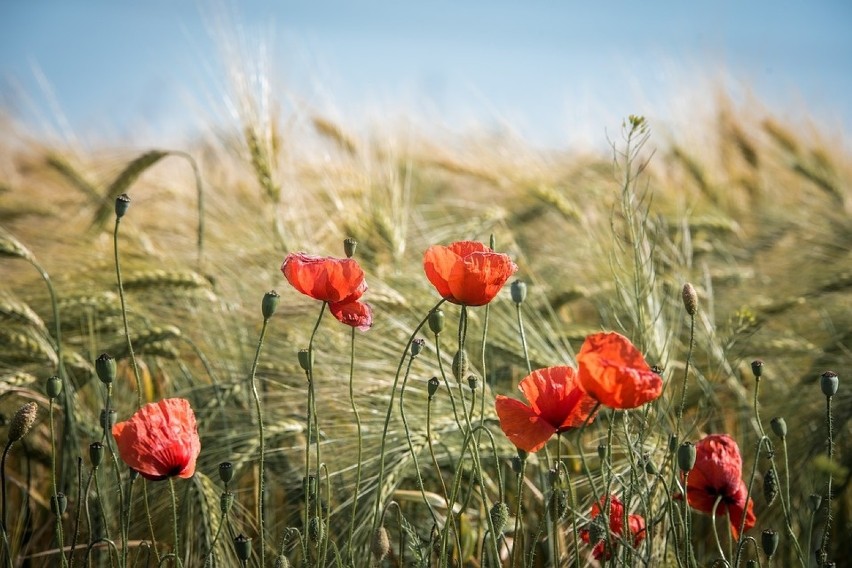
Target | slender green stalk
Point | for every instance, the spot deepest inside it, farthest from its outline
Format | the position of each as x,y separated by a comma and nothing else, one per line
309,374
80,497
133,363
523,338
3,489
685,375
150,520
261,489
105,521
175,522
518,512
715,530
360,444
59,536
827,530
687,521
741,542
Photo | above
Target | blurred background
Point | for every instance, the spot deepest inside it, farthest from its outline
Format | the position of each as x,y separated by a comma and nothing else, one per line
554,73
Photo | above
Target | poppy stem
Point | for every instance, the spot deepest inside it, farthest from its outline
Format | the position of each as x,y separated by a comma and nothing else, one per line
261,489
360,444
311,419
124,316
685,374
59,536
523,338
516,533
175,521
715,530
826,530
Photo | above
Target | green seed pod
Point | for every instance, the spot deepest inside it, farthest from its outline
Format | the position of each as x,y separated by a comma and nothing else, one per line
58,504
306,360
349,246
499,515
769,542
472,382
460,365
417,347
315,529
686,456
432,387
436,321
757,368
779,426
96,453
602,451
22,421
105,368
269,304
226,500
242,546
380,547
226,472
53,387
829,383
518,290
122,203
690,299
770,486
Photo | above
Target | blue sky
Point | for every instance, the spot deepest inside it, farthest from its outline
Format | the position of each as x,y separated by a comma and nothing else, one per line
554,71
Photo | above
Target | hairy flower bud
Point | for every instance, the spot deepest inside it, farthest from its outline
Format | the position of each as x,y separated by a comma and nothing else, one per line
779,426
282,562
58,504
770,486
306,360
315,529
226,500
380,547
460,365
23,420
499,515
269,303
690,299
814,502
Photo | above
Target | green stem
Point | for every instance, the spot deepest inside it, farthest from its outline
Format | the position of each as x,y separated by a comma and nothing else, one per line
3,489
715,530
516,533
124,316
360,443
523,338
60,539
827,529
685,375
261,514
309,374
175,522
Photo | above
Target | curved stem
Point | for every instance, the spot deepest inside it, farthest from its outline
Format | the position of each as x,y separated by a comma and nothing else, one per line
124,316
715,530
309,374
261,513
59,536
523,338
360,443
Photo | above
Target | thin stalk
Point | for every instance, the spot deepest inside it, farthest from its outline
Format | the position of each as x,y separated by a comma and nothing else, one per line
175,522
309,374
80,496
685,375
521,476
261,513
523,338
150,520
715,530
360,443
103,517
687,518
741,542
827,529
59,536
124,316
3,486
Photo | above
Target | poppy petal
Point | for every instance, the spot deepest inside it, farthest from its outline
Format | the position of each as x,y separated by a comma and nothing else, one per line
438,263
614,372
522,426
354,314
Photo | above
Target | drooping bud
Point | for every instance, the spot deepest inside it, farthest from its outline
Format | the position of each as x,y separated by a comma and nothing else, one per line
306,360
226,472
432,387
269,304
779,426
315,529
460,365
672,443
53,387
757,368
499,515
829,383
770,486
242,546
769,542
686,455
436,321
58,504
349,246
226,500
380,547
417,347
23,420
518,290
96,453
122,203
690,299
105,368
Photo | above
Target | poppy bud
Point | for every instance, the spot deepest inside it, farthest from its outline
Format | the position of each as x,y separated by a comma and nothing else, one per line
672,443
499,515
829,382
269,304
436,321
226,472
23,420
282,562
309,484
757,368
779,426
417,347
381,544
602,451
53,386
597,530
349,246
814,502
306,360
58,504
242,546
472,381
460,365
315,529
226,499
432,387
105,368
690,299
770,486
519,291
558,503
769,542
96,453
686,455
122,203
107,418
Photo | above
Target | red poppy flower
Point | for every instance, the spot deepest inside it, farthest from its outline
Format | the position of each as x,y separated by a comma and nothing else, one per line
636,525
613,372
355,314
327,279
160,440
467,272
718,472
556,402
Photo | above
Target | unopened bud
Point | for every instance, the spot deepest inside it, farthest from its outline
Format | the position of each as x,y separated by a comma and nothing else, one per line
105,368
436,321
672,443
690,299
558,503
226,472
282,562
107,418
96,453
829,382
53,387
499,515
779,426
306,360
757,368
226,500
380,547
122,203
23,420
432,387
518,290
242,546
460,365
770,486
315,529
814,502
597,530
769,542
686,455
602,451
269,304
